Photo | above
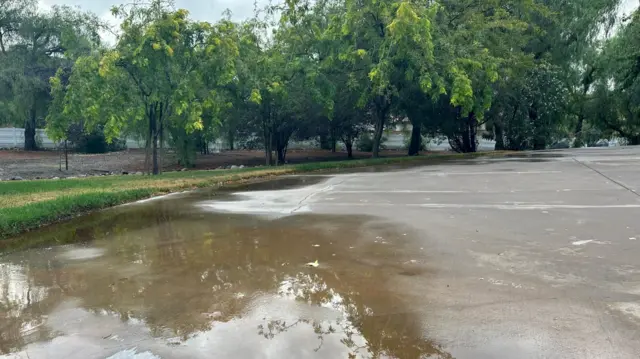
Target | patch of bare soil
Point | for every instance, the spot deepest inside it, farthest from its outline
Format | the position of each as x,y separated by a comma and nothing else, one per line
46,164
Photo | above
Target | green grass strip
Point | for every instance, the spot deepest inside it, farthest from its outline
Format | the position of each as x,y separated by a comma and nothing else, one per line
50,201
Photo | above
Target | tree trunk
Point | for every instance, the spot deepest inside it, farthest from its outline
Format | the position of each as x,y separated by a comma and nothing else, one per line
324,141
30,131
382,108
468,134
154,143
349,145
156,169
416,140
161,139
66,156
499,133
538,141
282,154
377,137
231,139
473,132
269,147
580,125
153,136
579,141
277,152
634,140
464,138
466,145
147,148
334,143
282,144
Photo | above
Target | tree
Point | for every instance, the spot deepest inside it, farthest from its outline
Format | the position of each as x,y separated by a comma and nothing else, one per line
375,38
165,71
34,44
564,43
529,71
615,102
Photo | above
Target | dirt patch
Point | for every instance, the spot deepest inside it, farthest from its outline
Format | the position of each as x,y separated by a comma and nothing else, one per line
47,164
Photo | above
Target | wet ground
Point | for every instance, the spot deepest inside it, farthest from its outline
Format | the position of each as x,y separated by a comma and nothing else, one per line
533,256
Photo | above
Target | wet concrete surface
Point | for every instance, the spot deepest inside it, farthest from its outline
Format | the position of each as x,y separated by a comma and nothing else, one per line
484,258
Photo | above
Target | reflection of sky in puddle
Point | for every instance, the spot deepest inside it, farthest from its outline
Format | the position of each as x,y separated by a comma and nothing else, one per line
304,319
276,202
80,254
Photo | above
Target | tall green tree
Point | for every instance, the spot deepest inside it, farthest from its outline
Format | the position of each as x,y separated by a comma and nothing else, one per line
541,98
34,45
615,102
382,37
165,71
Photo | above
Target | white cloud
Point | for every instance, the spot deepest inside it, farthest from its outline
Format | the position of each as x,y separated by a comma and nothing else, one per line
629,6
199,10
43,5
109,36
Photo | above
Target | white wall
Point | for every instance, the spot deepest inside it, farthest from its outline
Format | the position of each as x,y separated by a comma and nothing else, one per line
14,138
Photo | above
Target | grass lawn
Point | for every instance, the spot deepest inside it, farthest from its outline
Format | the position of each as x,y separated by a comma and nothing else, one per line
26,205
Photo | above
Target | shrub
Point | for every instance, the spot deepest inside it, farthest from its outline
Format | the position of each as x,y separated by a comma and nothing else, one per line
406,142
365,143
93,142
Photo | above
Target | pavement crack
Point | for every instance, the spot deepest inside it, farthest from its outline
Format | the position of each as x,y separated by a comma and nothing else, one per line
607,177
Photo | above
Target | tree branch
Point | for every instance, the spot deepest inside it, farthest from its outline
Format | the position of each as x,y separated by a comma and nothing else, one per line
4,51
124,65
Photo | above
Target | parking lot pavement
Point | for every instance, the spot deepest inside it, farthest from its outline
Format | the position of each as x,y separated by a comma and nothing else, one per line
524,257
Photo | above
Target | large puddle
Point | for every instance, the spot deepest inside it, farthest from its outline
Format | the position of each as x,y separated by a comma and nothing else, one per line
181,278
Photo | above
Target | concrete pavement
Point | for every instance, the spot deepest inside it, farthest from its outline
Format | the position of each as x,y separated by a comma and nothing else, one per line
534,256
529,256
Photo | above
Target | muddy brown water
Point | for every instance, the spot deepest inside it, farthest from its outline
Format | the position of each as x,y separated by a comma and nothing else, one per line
167,279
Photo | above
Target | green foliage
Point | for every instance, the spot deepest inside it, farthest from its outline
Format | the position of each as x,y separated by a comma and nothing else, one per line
92,142
365,143
165,71
533,72
614,104
33,46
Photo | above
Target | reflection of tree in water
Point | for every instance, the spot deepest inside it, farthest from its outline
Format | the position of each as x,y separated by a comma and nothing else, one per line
372,324
181,274
22,304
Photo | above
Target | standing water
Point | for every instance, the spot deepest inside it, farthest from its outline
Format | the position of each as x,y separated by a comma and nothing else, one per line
180,277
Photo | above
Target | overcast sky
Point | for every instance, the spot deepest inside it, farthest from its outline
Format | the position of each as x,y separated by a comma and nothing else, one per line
205,10
210,10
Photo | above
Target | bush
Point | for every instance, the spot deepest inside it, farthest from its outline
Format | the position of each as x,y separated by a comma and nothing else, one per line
406,142
93,142
96,143
560,144
365,143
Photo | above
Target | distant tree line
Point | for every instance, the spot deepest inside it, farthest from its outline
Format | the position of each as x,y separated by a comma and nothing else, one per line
526,73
